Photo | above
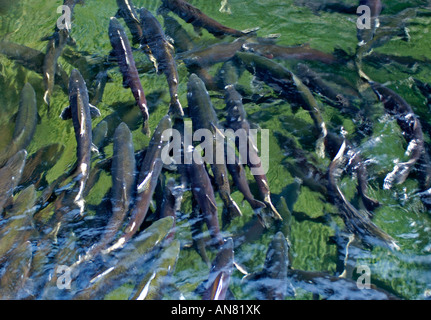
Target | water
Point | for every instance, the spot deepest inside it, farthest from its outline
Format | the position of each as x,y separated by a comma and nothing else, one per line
315,221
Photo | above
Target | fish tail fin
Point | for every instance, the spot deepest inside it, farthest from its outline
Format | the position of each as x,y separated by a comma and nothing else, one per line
274,211
175,107
250,31
233,209
257,205
146,128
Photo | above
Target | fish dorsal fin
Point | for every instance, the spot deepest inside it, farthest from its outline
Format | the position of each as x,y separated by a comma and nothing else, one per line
94,111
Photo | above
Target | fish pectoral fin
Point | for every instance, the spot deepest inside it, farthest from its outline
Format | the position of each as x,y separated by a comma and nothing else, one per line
250,30
94,148
94,111
66,114
47,38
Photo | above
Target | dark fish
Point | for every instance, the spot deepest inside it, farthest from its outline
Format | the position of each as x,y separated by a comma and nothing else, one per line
220,52
272,282
239,177
357,222
198,19
171,203
204,117
81,112
285,83
336,288
302,52
123,53
148,177
228,74
25,124
220,273
123,181
98,87
30,58
196,220
411,128
10,176
312,80
303,166
203,192
182,40
161,52
126,10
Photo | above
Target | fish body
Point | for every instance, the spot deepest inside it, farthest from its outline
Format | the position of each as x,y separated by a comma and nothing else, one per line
182,40
10,176
272,282
163,52
148,177
54,49
123,181
220,52
220,273
288,85
123,53
80,111
25,124
303,52
198,19
312,80
203,192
